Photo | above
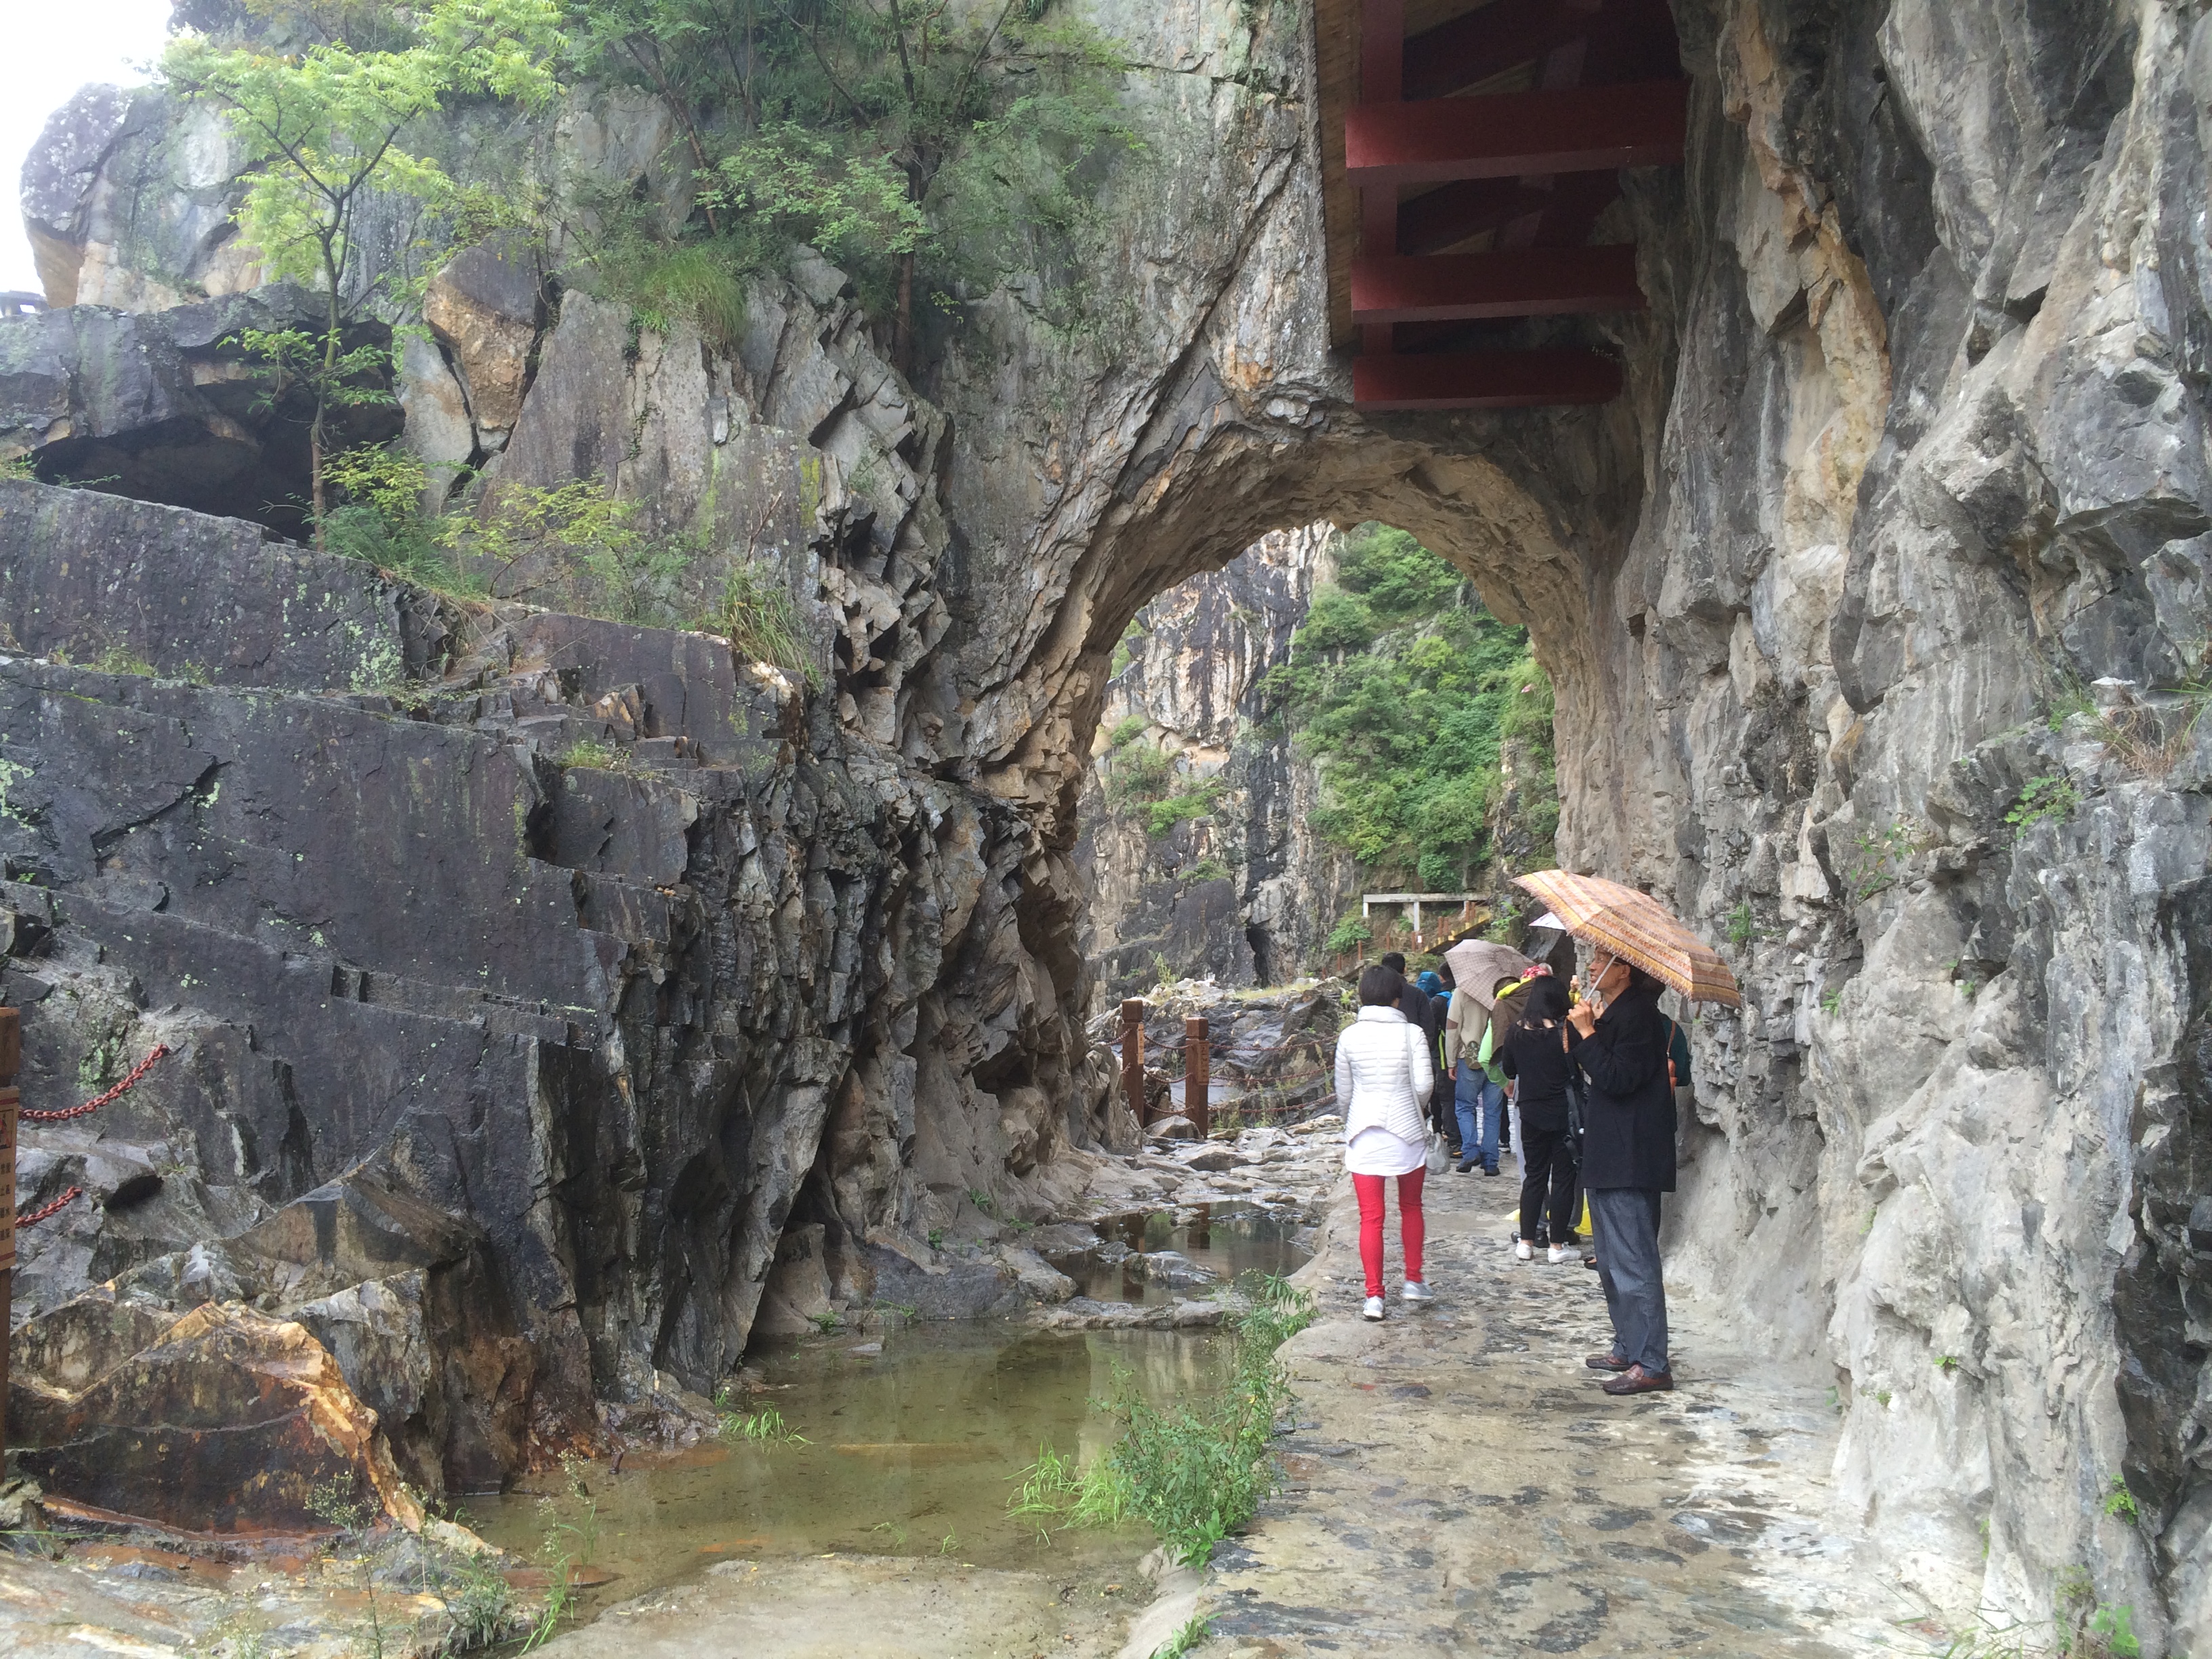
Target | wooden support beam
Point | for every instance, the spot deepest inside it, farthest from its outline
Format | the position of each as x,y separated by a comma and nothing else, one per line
1488,41
1485,380
1524,283
1587,130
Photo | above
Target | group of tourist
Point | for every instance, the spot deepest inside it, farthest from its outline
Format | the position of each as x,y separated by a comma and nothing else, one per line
1590,1081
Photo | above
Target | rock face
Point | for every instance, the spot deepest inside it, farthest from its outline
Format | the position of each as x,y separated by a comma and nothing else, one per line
1913,444
1244,892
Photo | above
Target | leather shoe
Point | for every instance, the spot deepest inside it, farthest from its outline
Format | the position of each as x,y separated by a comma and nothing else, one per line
1636,1380
1607,1362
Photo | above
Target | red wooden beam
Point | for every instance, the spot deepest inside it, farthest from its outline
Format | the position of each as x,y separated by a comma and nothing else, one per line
1450,213
1588,130
1486,379
1525,283
1488,41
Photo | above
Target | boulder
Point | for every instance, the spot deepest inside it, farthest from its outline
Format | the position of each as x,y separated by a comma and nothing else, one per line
1213,1160
1172,1269
232,1422
1172,1129
483,308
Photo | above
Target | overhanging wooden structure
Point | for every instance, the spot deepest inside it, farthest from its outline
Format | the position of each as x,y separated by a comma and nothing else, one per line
1469,148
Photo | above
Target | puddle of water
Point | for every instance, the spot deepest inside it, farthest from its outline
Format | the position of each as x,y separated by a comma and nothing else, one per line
906,1449
1226,1240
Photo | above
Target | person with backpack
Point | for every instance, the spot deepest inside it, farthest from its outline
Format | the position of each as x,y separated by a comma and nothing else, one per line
1383,1080
1481,1082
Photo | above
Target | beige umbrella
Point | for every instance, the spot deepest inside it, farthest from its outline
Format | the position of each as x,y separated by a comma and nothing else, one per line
1638,929
1477,965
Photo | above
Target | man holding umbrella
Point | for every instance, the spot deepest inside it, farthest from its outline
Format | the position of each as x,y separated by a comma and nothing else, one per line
1620,1040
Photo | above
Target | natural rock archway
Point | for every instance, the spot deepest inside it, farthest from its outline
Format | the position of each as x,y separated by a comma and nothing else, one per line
1912,443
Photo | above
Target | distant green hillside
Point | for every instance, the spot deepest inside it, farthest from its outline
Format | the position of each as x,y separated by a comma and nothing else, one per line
1431,719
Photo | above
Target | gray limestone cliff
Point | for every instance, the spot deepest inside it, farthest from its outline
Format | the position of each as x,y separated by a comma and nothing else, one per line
1913,445
1232,883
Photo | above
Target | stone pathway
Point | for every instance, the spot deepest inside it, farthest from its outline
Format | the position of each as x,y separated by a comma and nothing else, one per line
1460,1486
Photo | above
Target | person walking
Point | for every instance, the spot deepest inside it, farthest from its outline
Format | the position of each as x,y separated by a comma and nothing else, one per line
1440,1112
1482,1082
1536,1058
1383,1078
1628,1162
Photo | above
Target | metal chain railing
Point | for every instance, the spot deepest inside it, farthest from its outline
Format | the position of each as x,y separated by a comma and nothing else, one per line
130,1081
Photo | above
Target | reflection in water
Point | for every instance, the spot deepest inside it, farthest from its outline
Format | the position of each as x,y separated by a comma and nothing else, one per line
1227,1240
913,1450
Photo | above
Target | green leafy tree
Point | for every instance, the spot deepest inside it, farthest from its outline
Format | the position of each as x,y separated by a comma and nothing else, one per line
1408,693
913,141
327,125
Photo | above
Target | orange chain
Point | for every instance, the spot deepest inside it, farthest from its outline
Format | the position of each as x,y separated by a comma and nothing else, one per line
38,1215
99,1101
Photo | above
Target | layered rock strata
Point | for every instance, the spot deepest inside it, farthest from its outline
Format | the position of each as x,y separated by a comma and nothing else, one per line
1913,445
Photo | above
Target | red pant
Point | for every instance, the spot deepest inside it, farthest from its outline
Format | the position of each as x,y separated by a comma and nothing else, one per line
1410,1230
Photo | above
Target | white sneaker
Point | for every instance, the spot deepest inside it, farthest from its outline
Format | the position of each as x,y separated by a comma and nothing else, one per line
1373,1307
1417,1292
1557,1254
1521,1250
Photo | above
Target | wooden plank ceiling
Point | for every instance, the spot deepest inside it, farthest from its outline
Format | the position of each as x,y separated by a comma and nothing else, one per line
1467,148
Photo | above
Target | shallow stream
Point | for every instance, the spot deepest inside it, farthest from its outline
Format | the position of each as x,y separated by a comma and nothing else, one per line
911,1444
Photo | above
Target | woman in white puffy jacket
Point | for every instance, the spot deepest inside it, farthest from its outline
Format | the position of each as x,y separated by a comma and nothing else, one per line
1384,1073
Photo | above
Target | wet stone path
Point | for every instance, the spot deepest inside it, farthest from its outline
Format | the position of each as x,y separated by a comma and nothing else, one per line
1459,1484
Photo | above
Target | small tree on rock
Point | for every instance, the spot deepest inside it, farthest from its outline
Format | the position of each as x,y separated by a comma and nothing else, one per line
327,125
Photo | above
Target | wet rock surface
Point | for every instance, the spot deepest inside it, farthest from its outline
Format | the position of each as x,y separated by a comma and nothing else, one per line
1457,1483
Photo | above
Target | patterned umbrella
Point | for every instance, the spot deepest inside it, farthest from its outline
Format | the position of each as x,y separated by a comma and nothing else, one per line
1633,927
1477,965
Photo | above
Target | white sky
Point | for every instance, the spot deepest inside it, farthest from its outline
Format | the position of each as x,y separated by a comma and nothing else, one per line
48,49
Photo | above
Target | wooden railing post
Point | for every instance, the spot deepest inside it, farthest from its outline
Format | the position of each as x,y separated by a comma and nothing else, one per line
11,1053
1195,1067
1132,1056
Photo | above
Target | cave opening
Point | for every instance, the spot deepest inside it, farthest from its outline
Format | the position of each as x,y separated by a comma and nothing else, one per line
1333,713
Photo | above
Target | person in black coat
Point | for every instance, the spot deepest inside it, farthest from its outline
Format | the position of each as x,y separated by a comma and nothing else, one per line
1628,1161
1536,1057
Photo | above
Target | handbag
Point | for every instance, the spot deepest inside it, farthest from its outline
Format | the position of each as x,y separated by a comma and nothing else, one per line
1438,1160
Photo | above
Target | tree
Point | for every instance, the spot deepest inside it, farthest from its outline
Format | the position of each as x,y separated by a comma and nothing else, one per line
326,125
890,133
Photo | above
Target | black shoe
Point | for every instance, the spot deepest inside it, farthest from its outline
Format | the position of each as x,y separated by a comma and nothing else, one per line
1464,1168
1490,1169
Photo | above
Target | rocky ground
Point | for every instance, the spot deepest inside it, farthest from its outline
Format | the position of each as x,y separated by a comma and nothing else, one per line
1456,1484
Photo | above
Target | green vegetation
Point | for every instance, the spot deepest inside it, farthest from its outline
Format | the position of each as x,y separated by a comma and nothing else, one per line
328,124
2120,1502
1195,1473
930,150
1876,859
597,756
1415,699
2053,796
1350,932
1743,925
1127,731
1186,1640
763,1428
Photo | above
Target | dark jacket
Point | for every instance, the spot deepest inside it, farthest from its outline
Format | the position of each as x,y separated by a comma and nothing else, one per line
1434,1025
1540,1063
1629,1132
1413,1003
